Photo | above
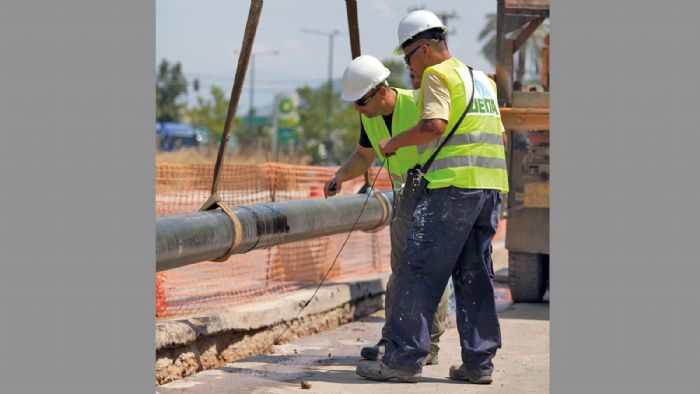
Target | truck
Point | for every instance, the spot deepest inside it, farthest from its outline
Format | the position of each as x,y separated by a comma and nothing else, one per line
525,116
171,136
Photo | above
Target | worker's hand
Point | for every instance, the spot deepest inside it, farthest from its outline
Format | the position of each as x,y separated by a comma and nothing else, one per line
387,147
332,187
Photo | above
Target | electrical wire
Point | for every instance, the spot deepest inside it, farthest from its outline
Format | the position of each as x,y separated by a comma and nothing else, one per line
362,210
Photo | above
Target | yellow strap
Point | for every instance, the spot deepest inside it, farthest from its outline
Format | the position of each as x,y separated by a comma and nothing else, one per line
214,202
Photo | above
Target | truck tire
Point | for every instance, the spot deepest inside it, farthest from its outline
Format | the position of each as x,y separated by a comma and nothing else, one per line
526,277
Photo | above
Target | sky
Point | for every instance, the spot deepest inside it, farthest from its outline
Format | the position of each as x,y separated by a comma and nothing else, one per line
204,36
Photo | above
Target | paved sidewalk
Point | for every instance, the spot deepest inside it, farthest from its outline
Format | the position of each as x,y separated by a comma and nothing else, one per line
327,361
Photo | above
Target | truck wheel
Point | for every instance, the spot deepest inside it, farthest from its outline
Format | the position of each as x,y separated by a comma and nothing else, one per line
526,277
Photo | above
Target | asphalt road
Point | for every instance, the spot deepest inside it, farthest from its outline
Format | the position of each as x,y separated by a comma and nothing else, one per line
327,361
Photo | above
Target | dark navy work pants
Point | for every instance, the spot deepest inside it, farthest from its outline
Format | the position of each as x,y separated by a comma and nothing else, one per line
451,235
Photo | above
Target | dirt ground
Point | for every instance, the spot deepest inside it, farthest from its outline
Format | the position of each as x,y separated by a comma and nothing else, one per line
327,362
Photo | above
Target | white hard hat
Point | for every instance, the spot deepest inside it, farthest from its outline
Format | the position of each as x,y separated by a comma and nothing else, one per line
414,23
362,75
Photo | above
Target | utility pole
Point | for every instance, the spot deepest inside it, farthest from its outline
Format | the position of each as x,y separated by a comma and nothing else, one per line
251,87
445,18
329,104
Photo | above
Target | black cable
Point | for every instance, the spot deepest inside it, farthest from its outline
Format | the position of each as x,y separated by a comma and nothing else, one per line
393,191
334,260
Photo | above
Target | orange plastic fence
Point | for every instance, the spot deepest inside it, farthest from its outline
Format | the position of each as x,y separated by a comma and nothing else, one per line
266,273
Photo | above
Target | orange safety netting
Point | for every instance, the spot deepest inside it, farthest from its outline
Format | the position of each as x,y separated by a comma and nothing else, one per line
259,274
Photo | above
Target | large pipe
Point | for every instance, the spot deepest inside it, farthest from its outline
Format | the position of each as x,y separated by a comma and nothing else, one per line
208,235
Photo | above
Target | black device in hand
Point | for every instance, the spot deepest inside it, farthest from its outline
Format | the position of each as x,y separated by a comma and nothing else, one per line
411,192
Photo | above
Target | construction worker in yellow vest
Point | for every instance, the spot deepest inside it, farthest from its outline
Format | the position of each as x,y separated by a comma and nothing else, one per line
456,214
384,112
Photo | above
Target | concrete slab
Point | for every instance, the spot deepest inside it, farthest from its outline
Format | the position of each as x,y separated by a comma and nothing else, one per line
187,345
327,362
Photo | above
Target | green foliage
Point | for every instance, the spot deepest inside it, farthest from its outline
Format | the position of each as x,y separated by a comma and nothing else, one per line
247,134
210,114
399,73
170,86
345,124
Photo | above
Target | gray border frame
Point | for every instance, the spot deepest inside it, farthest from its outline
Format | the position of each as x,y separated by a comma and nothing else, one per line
77,196
624,193
77,209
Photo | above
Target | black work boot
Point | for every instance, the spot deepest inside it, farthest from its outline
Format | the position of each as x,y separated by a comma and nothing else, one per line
374,352
377,370
459,372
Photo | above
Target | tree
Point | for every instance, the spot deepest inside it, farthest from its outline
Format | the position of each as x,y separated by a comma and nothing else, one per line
527,55
488,36
170,85
345,124
399,73
210,114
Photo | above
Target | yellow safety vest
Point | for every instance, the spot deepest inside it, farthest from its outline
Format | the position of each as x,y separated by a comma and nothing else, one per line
404,117
474,157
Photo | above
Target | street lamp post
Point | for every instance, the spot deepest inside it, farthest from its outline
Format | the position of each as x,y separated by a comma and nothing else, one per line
252,80
329,102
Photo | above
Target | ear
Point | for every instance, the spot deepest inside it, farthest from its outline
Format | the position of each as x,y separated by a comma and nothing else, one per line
425,48
383,91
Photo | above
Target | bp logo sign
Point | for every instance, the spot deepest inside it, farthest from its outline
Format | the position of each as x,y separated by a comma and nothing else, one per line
286,106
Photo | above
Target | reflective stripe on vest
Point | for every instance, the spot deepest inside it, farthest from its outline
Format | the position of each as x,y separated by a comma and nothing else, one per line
464,139
471,161
404,117
474,156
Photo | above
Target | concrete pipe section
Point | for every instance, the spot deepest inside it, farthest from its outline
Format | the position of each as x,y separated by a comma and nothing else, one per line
202,236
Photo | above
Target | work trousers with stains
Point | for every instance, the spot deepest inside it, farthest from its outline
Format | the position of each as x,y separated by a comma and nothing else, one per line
398,231
451,236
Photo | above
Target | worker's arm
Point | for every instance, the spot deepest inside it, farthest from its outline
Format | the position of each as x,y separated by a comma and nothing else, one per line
357,164
434,116
425,131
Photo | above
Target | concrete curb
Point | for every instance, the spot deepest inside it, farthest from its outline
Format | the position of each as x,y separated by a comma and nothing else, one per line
181,332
